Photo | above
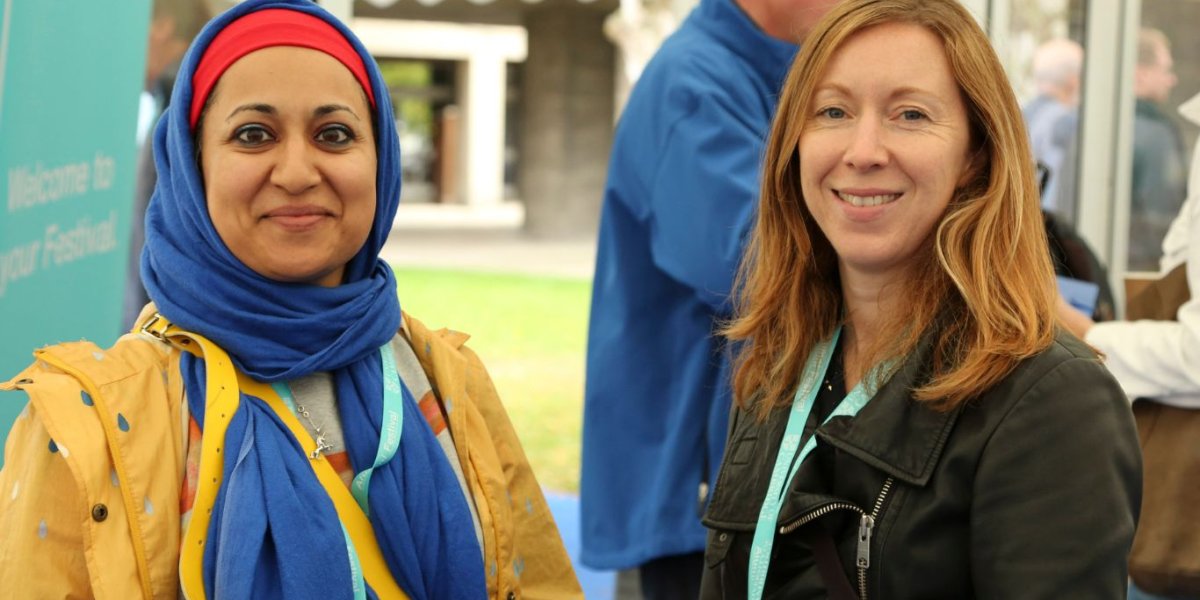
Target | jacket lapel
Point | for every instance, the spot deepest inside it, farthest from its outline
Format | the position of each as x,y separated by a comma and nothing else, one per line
895,434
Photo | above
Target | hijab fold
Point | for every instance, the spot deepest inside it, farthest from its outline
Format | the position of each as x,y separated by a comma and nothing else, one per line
274,531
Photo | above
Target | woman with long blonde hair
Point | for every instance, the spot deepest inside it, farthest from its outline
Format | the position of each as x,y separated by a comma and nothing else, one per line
910,421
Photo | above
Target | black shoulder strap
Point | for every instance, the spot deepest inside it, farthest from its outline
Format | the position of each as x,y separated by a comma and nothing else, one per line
837,585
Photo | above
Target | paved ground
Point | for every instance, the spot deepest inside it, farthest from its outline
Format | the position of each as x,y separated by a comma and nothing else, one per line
491,250
489,240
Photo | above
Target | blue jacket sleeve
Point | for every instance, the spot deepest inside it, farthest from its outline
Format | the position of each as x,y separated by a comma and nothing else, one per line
703,197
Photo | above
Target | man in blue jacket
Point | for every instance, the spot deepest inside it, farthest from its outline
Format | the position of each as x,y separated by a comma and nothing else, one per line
682,188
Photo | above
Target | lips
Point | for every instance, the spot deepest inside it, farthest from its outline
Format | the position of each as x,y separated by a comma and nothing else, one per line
297,218
866,199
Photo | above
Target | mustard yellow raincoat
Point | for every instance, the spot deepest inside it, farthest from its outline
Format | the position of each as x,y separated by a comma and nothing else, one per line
89,494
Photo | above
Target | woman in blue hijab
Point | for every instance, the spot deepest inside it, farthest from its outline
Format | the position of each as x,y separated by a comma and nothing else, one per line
318,454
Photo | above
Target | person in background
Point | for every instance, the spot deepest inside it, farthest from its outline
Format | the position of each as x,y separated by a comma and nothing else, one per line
911,421
275,427
682,180
1159,157
1156,360
1052,117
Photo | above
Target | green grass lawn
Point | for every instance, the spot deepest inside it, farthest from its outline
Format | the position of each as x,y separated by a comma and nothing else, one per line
530,333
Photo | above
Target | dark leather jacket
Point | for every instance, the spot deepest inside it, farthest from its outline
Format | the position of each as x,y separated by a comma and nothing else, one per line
1030,491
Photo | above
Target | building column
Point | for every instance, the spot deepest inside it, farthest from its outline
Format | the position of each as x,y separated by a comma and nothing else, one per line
567,105
342,9
482,90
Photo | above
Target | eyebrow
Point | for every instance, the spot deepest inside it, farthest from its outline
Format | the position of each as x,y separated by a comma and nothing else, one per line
267,109
897,93
262,108
325,109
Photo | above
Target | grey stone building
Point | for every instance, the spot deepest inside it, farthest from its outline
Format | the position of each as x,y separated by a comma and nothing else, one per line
522,101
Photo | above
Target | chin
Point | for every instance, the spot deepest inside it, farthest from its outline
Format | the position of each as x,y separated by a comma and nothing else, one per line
305,275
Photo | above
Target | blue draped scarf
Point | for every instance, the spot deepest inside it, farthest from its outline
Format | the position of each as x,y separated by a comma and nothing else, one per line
274,531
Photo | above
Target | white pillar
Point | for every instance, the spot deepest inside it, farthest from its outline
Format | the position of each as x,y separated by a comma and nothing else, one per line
342,9
981,10
482,94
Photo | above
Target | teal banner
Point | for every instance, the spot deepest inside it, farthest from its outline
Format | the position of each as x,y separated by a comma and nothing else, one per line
71,72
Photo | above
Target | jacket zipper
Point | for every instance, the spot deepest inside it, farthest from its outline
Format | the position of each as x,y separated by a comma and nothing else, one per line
866,525
816,514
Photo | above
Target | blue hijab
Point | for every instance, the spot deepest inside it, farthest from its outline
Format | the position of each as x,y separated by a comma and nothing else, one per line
274,531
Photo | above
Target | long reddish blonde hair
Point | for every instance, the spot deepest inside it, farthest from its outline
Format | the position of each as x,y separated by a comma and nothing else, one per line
988,281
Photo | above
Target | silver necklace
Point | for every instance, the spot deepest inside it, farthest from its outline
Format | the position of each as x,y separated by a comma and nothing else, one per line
322,445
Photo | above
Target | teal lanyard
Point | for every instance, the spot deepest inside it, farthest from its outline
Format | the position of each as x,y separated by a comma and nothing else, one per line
389,442
356,575
389,430
791,455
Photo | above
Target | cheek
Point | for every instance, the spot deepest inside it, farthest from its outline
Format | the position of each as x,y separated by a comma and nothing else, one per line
954,176
809,191
817,155
366,217
228,216
356,186
230,177
364,187
229,193
811,173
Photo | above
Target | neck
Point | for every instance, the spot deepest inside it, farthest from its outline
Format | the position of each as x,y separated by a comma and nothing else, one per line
760,13
867,298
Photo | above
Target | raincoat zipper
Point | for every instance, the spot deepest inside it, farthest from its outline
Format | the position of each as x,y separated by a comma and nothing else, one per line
866,526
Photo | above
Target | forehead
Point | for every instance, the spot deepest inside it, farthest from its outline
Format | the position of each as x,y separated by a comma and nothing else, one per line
1163,55
291,73
889,55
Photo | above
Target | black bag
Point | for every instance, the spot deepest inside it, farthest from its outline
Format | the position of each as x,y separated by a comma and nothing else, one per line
1073,258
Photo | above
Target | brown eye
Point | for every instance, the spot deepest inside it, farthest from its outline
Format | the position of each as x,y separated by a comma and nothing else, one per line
252,135
335,135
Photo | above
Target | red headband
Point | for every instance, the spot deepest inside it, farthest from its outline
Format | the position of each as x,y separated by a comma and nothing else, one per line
264,29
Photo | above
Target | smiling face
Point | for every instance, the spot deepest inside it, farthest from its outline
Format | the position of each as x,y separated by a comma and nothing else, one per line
884,148
288,158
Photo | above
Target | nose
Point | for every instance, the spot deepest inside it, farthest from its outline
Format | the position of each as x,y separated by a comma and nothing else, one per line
295,168
866,149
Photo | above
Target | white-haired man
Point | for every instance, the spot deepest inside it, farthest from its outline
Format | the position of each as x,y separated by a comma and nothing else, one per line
1052,116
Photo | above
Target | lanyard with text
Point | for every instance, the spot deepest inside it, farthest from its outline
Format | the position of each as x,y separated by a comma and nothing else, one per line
790,455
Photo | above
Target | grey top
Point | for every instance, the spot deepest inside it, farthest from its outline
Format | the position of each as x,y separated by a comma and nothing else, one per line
316,394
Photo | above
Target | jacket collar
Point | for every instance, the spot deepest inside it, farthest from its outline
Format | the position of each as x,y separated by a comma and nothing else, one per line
893,433
1150,109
